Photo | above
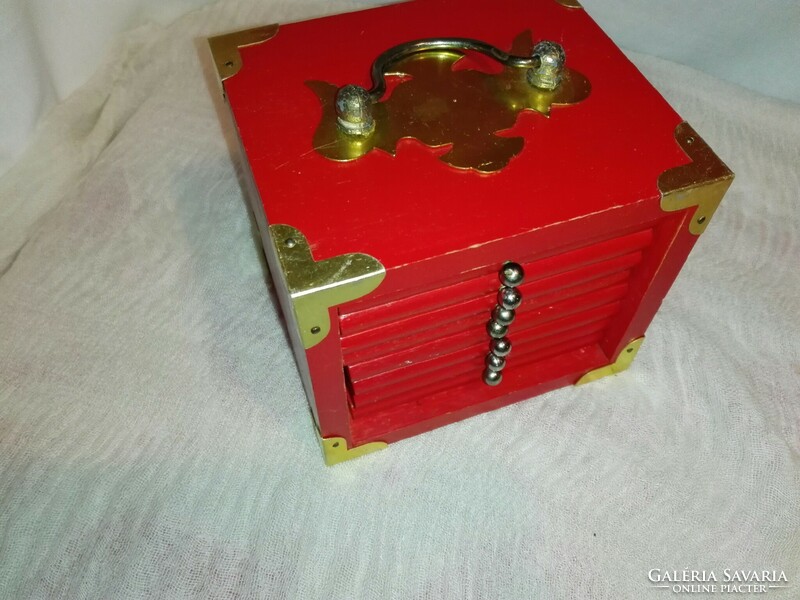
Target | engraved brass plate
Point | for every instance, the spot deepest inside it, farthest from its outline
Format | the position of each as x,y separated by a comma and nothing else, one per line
701,183
465,109
623,361
316,286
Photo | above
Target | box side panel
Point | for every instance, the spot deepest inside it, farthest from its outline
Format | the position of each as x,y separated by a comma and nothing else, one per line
320,367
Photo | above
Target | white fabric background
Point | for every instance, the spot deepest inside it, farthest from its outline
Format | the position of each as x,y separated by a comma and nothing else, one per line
154,436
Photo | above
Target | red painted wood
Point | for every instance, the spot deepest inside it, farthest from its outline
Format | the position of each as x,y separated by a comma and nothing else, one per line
407,333
410,331
540,277
330,393
409,396
579,207
671,248
466,400
470,359
426,342
603,152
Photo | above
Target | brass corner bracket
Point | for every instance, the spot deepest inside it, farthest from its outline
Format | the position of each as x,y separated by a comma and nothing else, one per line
225,48
336,451
315,286
570,3
623,361
701,183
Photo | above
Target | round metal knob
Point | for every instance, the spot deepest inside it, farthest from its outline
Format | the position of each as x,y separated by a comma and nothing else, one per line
496,330
503,315
509,298
512,274
492,377
500,346
547,75
354,110
494,362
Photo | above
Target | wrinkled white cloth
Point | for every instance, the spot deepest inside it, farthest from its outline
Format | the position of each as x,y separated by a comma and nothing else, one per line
154,436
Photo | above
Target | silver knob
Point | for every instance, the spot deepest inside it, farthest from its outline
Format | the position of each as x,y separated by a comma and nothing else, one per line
547,75
503,315
494,362
512,274
500,347
492,377
509,298
496,330
354,110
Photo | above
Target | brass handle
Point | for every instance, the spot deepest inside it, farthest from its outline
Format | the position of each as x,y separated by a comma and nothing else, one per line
354,103
508,300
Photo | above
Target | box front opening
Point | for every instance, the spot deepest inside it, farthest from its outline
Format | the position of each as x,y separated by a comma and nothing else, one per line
420,357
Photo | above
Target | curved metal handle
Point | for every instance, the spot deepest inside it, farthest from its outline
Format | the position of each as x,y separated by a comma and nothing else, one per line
398,53
354,103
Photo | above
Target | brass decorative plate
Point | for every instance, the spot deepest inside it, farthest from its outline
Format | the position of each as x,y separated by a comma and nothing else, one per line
442,106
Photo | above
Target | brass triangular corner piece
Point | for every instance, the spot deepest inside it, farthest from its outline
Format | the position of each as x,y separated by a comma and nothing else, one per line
316,286
225,48
701,183
623,361
570,3
335,449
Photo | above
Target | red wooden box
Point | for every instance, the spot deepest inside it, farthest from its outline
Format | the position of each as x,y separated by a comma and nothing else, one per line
389,218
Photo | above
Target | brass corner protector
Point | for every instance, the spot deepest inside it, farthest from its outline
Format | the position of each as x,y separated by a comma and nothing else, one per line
570,3
316,286
225,48
623,361
336,451
701,183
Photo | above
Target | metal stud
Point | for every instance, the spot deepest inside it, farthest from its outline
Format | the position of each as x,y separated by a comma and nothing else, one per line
503,315
500,346
511,274
496,330
354,110
548,74
509,297
492,377
494,362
